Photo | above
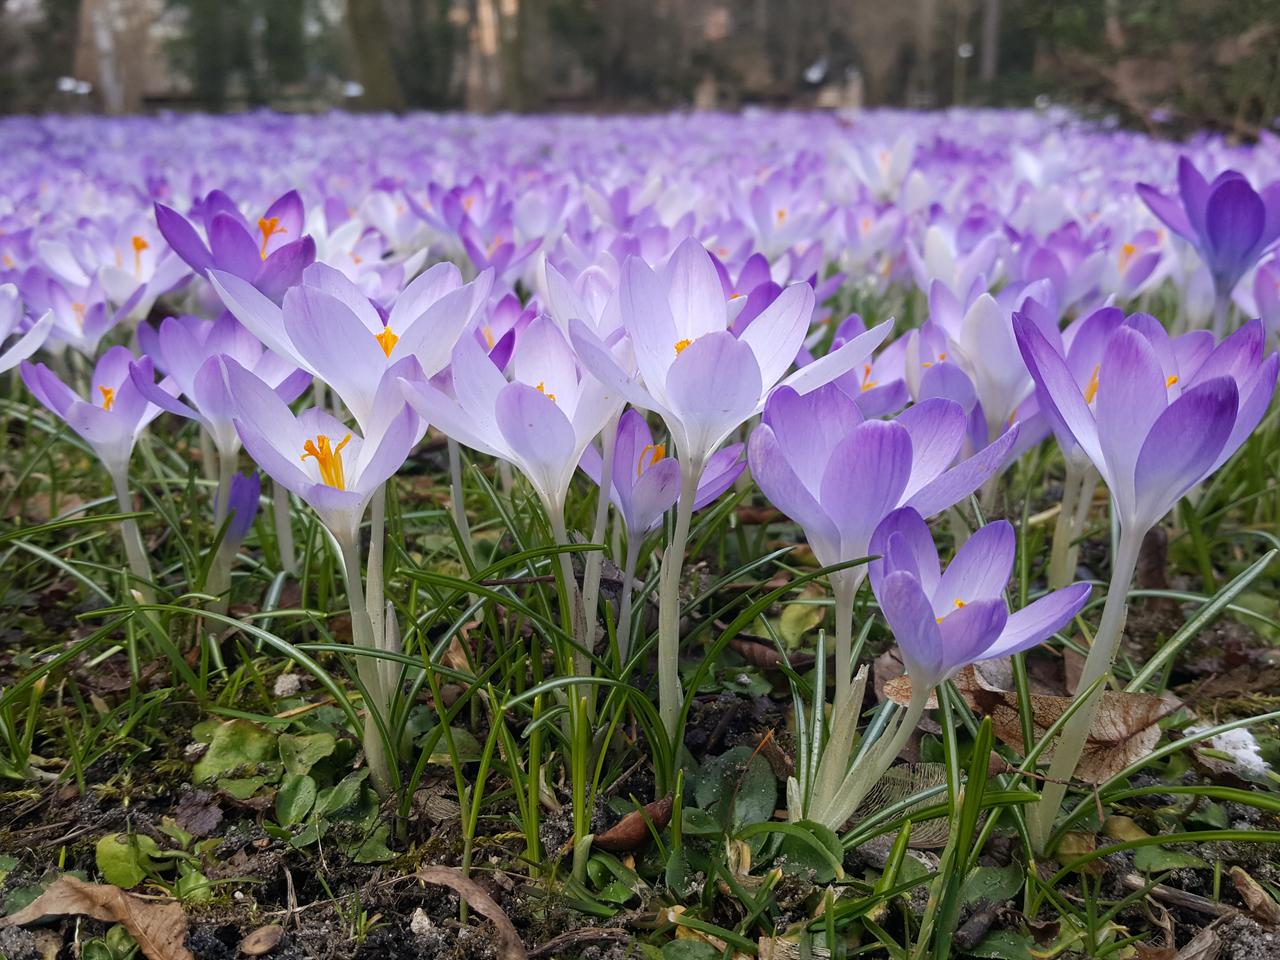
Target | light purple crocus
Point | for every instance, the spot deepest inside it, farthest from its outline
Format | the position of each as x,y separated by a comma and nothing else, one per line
1230,224
943,621
114,415
540,421
333,469
242,506
329,327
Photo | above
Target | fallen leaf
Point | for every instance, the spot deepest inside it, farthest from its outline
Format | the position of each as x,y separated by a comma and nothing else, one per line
632,831
262,941
159,929
1205,945
509,945
1125,728
1260,903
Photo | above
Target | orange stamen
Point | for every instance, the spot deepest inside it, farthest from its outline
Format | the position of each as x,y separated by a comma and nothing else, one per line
652,452
387,340
268,227
108,397
328,459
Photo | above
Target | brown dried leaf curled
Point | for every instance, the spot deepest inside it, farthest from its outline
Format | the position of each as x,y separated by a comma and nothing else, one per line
509,946
632,831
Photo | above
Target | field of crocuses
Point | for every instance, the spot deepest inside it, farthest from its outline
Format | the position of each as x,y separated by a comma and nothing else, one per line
681,537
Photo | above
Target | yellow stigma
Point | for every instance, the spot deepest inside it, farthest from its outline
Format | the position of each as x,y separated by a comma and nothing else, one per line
108,397
79,310
1091,388
488,336
387,340
328,459
781,214
268,227
7,261
681,345
542,389
867,382
866,224
959,604
1171,381
497,241
652,453
1126,254
139,244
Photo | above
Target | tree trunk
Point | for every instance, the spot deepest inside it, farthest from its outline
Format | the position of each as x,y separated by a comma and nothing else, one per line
371,38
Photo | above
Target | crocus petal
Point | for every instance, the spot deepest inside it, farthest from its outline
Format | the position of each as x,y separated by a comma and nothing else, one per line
233,248
917,552
183,238
968,632
838,361
646,314
773,473
1182,446
1038,621
965,477
694,292
1234,221
864,481
713,387
540,435
1059,389
937,428
776,335
911,618
722,469
980,569
655,492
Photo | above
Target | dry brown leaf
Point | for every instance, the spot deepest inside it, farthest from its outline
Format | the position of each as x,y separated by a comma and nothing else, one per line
1205,945
1124,729
262,941
509,945
160,929
1260,903
631,832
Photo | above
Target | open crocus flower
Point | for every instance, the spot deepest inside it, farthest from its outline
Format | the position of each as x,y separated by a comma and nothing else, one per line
334,470
11,315
943,621
1230,224
329,327
114,415
646,482
541,421
702,380
1152,426
270,255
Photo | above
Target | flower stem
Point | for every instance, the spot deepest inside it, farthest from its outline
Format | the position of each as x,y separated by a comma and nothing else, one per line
136,553
595,559
1221,310
374,602
1060,566
375,703
844,585
571,604
284,529
457,501
622,630
670,696
1106,641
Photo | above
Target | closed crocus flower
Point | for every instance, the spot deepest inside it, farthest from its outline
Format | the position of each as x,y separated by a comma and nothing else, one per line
1230,224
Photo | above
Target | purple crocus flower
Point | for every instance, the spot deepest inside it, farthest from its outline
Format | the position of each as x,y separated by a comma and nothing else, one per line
113,417
646,482
943,621
271,256
1153,427
1230,224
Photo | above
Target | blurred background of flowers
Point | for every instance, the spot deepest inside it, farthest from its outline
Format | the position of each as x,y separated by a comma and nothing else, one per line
1164,65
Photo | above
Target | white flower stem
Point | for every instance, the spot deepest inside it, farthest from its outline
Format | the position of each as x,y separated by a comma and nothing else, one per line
206,454
844,584
284,529
457,500
1221,310
219,581
572,603
622,629
1070,745
139,564
375,603
1060,566
375,697
595,559
670,695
